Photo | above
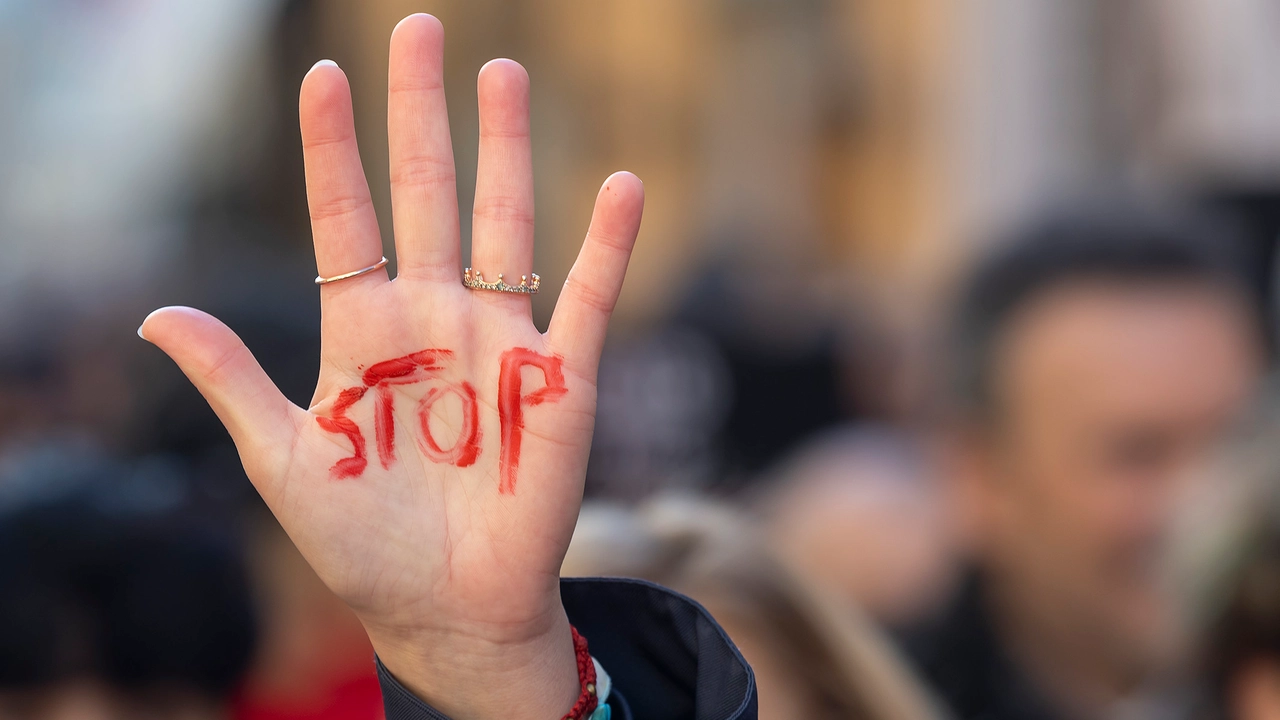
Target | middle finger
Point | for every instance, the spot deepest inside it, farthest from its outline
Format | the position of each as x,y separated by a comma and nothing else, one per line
424,193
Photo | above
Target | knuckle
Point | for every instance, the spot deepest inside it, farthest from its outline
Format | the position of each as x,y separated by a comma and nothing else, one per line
339,206
613,241
413,86
320,141
504,209
219,368
589,296
505,131
424,171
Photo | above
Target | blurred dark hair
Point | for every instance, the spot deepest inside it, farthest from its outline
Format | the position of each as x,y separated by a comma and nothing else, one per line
1117,244
129,593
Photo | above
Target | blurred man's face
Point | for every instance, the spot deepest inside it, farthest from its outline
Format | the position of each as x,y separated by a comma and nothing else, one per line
1106,394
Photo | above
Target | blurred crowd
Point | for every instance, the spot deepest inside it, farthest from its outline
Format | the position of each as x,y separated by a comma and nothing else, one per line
941,377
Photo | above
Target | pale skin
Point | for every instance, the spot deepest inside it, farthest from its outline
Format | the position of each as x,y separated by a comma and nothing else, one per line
454,579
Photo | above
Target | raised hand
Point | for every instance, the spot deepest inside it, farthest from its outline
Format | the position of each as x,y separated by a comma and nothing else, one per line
435,480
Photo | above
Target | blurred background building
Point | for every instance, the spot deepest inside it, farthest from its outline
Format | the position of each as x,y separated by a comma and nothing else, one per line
817,173
839,158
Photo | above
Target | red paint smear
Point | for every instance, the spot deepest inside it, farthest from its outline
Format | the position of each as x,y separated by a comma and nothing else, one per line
399,371
511,405
384,425
404,366
467,447
381,375
340,424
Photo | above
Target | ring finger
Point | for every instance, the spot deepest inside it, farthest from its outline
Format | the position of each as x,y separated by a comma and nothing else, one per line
502,235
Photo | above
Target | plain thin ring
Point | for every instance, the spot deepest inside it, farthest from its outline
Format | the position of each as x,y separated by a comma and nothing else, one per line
353,273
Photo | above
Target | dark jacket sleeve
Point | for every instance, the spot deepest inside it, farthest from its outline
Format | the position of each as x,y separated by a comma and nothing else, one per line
668,658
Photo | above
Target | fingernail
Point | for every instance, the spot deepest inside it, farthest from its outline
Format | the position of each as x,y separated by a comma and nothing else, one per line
330,63
144,323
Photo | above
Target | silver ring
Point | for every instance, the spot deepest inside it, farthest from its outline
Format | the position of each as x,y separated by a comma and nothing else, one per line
353,273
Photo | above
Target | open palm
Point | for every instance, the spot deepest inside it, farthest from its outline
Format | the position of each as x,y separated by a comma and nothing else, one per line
435,480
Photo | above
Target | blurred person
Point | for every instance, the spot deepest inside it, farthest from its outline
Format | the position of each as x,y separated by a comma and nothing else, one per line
858,511
312,661
779,351
750,364
1095,359
63,377
113,605
662,401
813,658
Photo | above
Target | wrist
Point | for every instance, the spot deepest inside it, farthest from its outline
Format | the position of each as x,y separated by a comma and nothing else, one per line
471,676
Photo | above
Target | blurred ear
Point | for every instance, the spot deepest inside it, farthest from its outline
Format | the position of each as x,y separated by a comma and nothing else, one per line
969,473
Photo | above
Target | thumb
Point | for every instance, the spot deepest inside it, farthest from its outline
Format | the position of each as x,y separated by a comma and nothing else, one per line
262,422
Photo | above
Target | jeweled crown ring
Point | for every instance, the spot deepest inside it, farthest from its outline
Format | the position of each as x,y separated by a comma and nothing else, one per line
529,284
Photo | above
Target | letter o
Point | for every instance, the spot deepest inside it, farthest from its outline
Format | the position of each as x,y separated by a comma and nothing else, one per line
466,448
